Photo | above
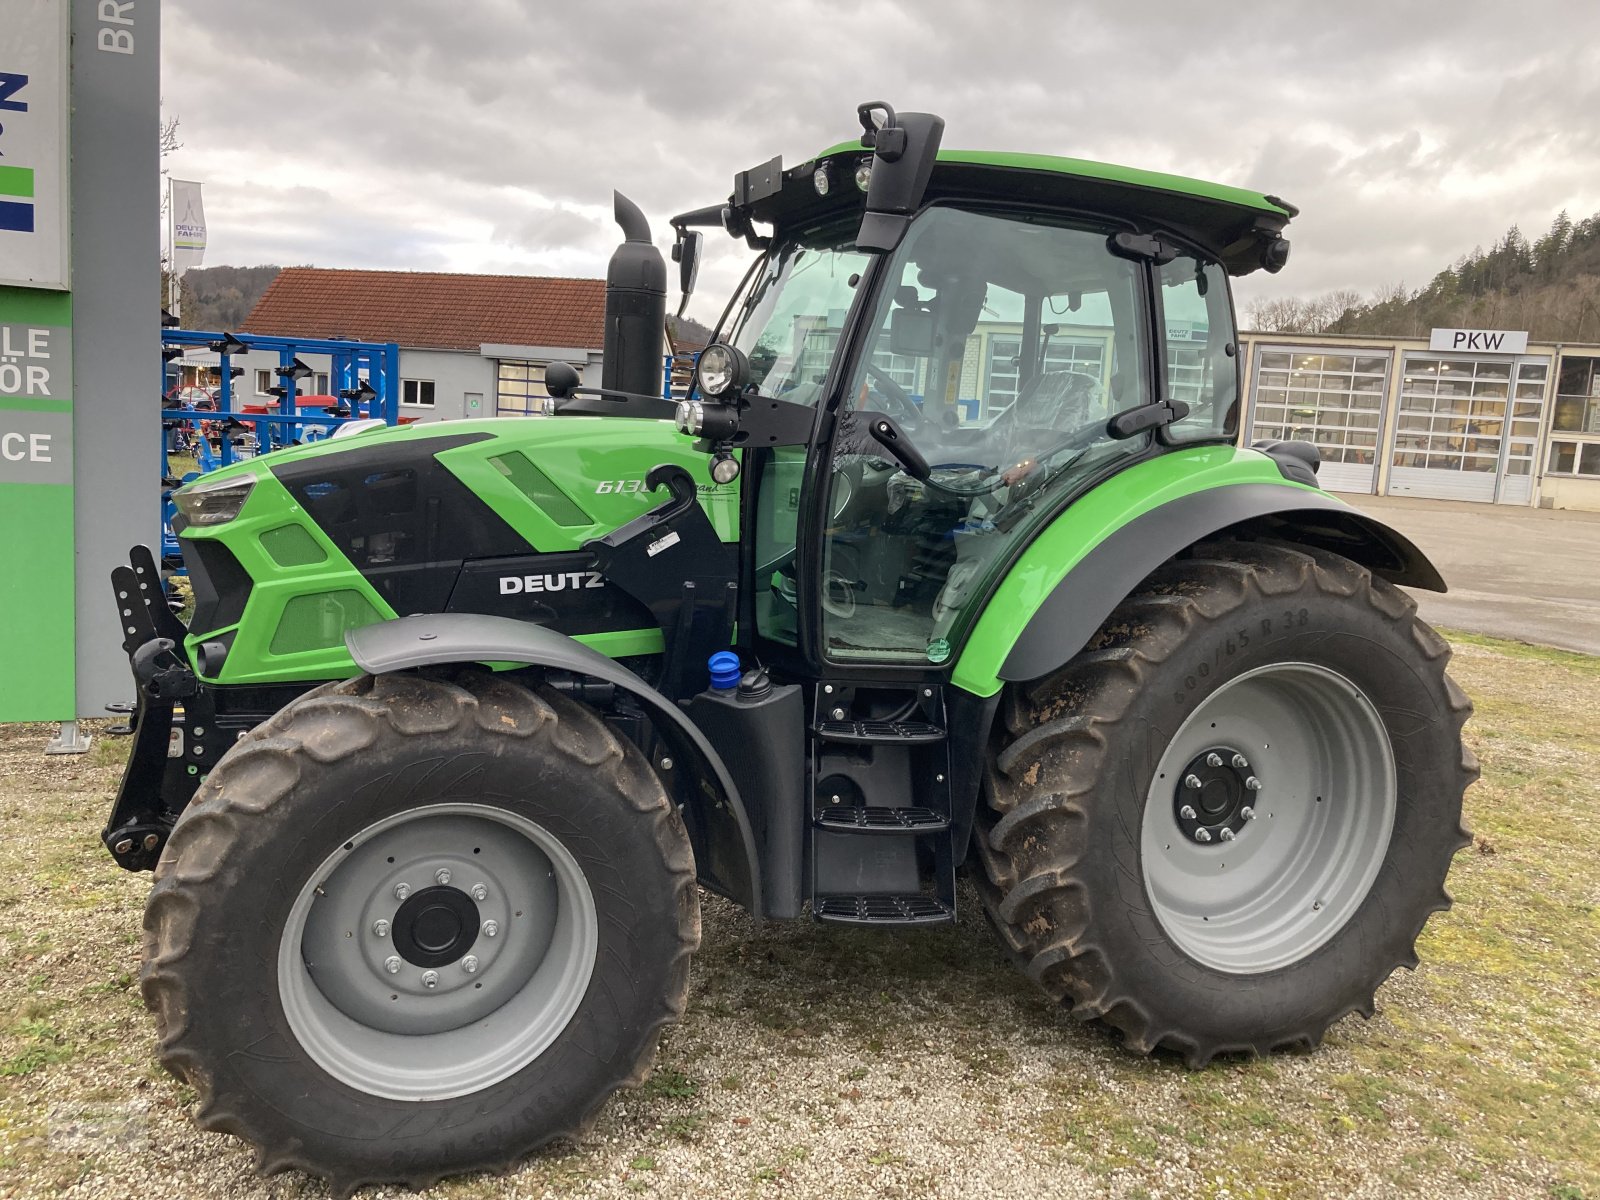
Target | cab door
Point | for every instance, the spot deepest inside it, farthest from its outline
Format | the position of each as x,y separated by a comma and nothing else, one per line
1000,343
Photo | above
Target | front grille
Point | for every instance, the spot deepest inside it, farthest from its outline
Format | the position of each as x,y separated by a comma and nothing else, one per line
221,586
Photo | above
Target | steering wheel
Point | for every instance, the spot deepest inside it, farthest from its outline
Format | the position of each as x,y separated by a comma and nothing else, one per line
909,413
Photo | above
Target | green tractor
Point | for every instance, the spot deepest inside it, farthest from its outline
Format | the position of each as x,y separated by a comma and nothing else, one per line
949,561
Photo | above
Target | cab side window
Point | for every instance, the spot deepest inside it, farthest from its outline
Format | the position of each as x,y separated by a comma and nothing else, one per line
1201,354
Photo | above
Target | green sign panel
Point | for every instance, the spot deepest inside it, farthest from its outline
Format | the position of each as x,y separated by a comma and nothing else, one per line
37,655
79,315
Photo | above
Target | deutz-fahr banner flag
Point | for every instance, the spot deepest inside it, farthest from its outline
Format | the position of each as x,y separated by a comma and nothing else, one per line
188,226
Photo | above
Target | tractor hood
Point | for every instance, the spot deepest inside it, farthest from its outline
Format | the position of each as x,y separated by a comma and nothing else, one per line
492,515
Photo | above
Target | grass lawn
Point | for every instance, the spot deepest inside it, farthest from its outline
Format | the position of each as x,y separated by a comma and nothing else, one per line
828,1063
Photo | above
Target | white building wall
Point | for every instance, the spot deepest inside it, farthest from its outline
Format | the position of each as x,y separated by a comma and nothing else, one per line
463,383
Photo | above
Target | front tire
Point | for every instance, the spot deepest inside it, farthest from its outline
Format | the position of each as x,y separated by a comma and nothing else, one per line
1223,825
410,927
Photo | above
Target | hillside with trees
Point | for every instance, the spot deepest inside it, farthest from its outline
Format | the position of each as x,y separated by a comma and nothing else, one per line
220,298
1550,287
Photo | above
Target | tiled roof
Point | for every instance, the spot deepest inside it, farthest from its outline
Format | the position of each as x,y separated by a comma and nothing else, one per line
432,310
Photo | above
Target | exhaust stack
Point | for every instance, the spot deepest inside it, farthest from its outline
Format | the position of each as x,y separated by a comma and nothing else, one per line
636,307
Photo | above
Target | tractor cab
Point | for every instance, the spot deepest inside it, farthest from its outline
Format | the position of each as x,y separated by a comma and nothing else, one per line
935,352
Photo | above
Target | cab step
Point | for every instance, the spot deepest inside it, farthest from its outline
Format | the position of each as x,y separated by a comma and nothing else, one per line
855,818
898,733
904,911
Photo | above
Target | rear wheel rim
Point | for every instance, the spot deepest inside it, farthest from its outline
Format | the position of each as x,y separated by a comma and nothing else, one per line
437,952
1248,881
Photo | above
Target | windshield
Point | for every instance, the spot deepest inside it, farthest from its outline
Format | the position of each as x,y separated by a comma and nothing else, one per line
790,320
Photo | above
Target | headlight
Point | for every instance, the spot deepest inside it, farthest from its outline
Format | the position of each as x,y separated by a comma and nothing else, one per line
721,371
690,417
214,503
820,180
864,174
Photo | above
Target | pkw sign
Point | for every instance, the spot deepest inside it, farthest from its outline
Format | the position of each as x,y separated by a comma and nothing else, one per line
1482,341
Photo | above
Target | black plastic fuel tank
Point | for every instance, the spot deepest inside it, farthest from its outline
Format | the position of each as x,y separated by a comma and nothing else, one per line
759,729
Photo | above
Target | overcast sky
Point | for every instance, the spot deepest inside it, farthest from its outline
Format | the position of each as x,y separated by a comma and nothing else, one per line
486,135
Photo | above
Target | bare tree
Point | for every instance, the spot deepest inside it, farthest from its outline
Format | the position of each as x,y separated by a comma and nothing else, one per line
1284,314
167,138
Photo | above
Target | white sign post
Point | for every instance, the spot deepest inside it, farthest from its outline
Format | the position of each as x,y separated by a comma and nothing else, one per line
34,206
1480,341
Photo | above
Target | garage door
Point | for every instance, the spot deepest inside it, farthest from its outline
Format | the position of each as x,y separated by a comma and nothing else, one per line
1331,398
520,389
1466,429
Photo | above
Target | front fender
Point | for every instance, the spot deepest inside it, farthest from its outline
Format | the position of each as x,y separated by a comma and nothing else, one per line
1076,572
727,860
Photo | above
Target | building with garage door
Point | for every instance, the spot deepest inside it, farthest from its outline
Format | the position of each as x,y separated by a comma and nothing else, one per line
470,345
1475,415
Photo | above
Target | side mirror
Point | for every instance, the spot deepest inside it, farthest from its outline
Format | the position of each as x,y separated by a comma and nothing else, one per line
686,253
904,147
560,380
911,332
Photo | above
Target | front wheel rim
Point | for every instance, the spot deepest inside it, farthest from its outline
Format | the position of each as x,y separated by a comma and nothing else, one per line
1251,877
437,952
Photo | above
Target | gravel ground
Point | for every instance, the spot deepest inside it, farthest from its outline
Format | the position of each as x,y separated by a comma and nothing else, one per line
828,1063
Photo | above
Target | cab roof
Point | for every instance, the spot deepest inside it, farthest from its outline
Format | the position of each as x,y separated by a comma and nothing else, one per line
1227,221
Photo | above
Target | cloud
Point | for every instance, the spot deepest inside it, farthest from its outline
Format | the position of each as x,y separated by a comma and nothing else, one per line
488,134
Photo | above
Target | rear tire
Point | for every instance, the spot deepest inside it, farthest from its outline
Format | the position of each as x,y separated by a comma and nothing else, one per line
1116,806
339,1025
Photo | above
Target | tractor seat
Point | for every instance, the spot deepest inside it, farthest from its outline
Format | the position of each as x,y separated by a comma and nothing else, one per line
1059,400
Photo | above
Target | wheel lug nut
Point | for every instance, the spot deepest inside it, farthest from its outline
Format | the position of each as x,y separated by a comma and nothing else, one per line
490,928
1240,762
479,892
1187,812
442,875
1248,813
1192,781
392,964
380,927
469,964
402,890
1227,835
430,979
1253,784
1213,759
1202,835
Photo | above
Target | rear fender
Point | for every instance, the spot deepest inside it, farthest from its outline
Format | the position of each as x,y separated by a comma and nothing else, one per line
1069,581
725,849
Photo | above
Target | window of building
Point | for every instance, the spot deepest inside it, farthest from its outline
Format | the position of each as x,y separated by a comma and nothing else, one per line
1574,458
417,392
263,382
1452,414
1334,401
1084,355
1577,396
520,390
903,370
